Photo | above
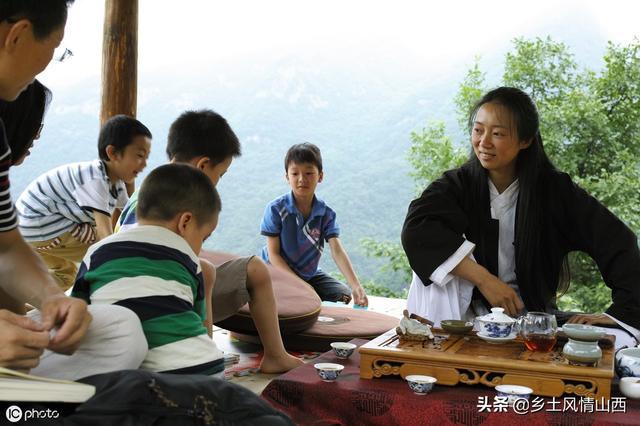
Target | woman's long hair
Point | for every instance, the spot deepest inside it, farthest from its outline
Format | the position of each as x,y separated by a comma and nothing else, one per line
23,118
532,169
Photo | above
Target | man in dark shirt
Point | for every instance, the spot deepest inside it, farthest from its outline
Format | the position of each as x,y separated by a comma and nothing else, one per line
30,30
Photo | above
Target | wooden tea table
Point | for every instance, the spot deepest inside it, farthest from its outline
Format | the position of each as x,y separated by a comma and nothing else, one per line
388,401
455,359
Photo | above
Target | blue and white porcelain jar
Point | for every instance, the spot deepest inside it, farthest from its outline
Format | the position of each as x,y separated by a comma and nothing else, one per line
628,362
496,323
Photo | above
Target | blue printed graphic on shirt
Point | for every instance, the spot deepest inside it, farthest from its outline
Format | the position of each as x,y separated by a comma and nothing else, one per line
301,242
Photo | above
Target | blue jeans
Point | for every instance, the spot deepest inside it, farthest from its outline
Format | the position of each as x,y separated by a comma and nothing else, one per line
328,288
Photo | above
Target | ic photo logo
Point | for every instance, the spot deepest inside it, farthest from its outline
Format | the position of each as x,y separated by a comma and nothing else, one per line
14,414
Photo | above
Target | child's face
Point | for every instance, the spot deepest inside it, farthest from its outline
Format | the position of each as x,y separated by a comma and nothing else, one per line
196,233
127,164
216,172
303,179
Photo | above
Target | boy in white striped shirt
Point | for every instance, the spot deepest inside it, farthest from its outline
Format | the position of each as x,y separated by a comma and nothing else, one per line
67,209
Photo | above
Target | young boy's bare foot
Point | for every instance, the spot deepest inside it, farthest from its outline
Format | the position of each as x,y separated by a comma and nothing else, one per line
279,364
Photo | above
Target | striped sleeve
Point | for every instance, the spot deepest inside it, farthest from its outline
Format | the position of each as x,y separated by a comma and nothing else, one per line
8,217
48,207
92,194
81,288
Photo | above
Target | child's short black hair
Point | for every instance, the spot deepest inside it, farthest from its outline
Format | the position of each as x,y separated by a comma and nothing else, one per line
119,131
45,16
177,188
303,153
202,133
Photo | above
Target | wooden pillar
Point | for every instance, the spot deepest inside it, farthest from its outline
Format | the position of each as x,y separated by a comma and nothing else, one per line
119,59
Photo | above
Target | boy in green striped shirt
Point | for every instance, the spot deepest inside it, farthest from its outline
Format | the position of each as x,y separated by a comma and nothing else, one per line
153,269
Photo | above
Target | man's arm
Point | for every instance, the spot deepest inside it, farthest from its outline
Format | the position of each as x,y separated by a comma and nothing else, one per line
343,262
26,279
25,276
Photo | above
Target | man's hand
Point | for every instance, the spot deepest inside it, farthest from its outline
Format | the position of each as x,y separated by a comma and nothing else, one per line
359,296
592,319
69,315
499,294
22,341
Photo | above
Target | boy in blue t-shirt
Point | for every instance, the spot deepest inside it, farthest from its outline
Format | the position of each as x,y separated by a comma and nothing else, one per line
298,223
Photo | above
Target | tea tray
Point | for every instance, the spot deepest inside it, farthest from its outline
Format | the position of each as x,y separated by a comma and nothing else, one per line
467,359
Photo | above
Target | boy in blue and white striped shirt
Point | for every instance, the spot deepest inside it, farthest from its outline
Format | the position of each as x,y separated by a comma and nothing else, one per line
68,208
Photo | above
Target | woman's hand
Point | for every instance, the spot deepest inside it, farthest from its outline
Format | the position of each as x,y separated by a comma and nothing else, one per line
500,294
592,319
497,292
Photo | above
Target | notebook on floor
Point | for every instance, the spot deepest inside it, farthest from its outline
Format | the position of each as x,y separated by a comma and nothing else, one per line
17,386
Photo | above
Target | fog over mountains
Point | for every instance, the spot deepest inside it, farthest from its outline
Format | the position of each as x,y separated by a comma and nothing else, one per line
358,108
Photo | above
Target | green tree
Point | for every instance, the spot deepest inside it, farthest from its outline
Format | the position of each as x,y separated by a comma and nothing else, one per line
430,153
590,122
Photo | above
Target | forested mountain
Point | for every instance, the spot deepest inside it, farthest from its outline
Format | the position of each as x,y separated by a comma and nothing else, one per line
359,111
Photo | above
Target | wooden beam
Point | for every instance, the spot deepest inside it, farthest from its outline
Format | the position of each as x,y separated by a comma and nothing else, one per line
119,59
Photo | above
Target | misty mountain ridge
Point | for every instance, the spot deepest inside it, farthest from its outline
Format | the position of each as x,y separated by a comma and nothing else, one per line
360,113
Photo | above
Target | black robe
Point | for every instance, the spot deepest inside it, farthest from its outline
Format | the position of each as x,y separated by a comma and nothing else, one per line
574,221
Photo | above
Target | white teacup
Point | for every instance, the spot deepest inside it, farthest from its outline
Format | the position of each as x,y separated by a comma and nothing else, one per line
630,387
513,392
328,371
419,384
343,349
628,362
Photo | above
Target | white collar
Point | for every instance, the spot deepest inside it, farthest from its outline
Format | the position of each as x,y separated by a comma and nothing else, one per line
501,203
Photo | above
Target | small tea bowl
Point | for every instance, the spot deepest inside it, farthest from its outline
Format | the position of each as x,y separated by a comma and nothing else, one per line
343,349
328,371
513,392
420,385
456,326
628,362
630,387
584,332
582,352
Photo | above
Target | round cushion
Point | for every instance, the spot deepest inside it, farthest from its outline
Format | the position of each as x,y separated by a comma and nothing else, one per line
297,302
335,324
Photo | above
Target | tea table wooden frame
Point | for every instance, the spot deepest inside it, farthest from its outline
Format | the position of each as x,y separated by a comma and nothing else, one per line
455,359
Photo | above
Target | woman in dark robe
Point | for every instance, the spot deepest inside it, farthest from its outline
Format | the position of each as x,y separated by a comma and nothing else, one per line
496,231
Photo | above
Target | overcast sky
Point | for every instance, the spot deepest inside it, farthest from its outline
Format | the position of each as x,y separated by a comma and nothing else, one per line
200,33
